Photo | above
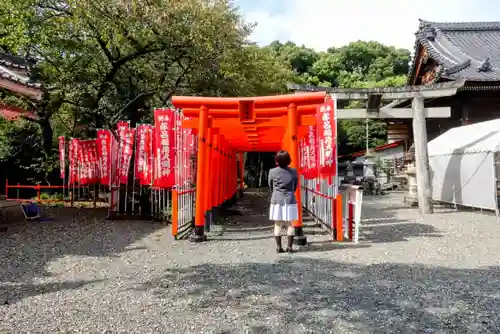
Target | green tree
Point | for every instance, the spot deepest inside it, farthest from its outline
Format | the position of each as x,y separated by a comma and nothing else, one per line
21,154
113,59
355,132
104,61
357,65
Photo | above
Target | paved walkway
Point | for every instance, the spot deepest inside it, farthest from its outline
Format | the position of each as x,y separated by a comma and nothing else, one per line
438,274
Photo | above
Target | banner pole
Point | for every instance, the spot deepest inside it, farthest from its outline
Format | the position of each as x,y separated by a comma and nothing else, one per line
134,166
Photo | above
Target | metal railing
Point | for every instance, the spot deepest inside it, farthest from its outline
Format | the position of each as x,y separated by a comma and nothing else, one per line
67,196
183,209
337,210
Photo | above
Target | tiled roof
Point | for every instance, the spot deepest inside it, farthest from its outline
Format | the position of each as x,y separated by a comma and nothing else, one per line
377,149
15,61
465,50
17,69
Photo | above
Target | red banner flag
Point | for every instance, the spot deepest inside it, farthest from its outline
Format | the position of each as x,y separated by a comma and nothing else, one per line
326,139
302,160
125,154
73,149
148,170
183,155
62,156
87,161
165,147
312,153
104,155
83,162
190,154
143,152
93,170
121,126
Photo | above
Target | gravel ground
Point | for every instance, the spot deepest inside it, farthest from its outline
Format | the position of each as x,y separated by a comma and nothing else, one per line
434,275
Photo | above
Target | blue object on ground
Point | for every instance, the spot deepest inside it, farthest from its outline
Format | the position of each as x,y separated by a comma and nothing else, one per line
32,212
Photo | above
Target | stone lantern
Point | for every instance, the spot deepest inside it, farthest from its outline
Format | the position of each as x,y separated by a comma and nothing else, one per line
369,175
349,173
411,175
369,165
409,157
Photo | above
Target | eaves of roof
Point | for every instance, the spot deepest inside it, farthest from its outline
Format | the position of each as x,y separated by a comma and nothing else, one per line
463,50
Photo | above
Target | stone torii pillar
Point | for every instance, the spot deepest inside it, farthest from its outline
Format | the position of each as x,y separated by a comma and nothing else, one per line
424,192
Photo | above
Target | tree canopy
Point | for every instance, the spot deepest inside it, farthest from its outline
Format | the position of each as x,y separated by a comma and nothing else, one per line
101,61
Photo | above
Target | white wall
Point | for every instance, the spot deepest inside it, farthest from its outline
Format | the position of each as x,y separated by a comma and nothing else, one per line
387,154
391,153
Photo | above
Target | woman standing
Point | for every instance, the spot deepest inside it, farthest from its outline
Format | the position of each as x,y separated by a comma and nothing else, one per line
283,182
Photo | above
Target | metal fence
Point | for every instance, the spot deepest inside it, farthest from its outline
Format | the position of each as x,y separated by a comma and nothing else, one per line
336,209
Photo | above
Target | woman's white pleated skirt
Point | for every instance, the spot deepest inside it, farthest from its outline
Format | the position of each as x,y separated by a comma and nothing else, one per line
284,212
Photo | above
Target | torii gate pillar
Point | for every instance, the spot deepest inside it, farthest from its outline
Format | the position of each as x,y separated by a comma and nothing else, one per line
199,220
293,147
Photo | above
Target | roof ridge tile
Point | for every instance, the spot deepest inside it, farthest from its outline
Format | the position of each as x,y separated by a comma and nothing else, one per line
462,26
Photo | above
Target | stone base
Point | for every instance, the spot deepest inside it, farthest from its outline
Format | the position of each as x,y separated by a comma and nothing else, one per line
198,238
411,199
198,234
300,241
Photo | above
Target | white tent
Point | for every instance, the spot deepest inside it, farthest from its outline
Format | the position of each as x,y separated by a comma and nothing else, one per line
463,165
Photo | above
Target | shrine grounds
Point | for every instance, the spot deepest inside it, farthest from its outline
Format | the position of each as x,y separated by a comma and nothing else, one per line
82,274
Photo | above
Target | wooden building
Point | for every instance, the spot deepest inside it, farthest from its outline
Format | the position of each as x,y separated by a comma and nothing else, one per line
452,51
387,152
16,76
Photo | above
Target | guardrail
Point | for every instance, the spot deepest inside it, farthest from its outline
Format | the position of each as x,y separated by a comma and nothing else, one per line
55,194
183,212
339,214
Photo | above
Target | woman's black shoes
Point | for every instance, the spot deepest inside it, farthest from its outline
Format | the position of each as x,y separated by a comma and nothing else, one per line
289,249
279,248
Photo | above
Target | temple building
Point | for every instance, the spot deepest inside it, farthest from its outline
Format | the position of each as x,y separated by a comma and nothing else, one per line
16,76
453,51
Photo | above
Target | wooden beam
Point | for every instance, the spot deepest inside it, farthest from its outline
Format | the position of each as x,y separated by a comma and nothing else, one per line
307,120
388,113
420,56
388,93
260,102
30,92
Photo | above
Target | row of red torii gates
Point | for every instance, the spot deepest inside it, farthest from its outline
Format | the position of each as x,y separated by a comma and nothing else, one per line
229,127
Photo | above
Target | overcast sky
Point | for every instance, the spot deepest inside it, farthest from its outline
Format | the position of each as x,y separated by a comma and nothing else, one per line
320,24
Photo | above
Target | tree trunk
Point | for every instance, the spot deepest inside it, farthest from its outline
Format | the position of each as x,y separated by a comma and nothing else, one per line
47,136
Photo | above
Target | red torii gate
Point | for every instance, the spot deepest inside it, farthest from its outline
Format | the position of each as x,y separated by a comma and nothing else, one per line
228,127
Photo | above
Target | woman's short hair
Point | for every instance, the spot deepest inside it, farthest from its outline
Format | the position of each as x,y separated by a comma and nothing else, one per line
283,159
